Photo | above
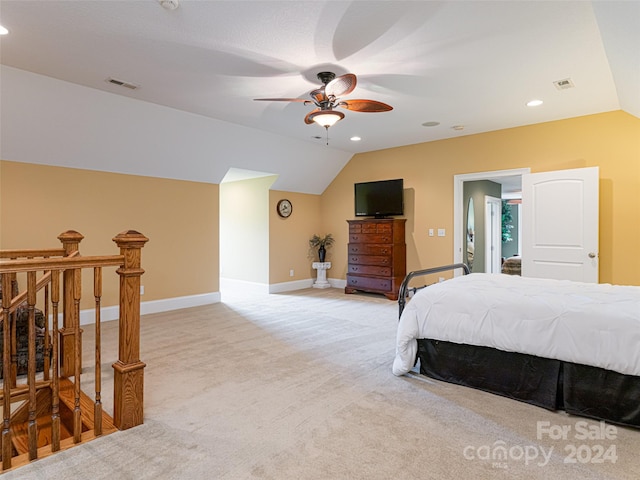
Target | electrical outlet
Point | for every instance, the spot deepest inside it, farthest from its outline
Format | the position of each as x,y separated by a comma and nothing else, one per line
141,289
291,272
441,232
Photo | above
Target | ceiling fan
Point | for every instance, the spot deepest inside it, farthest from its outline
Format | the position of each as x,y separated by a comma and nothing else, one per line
327,98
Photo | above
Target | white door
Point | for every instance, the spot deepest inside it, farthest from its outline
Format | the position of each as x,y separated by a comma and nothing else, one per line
560,224
493,234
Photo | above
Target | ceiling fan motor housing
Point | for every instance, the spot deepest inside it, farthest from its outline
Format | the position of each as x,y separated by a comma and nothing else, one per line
326,77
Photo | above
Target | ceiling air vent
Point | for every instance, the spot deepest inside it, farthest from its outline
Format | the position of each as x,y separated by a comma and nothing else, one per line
120,83
565,84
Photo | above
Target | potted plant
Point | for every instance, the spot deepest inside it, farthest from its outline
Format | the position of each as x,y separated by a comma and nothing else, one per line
321,243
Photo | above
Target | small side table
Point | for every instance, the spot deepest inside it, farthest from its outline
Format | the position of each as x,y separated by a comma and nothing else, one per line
321,281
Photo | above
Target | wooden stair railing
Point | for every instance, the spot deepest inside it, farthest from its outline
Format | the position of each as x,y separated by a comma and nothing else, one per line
52,412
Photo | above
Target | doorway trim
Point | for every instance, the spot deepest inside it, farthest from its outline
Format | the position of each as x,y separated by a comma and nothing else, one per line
458,200
493,234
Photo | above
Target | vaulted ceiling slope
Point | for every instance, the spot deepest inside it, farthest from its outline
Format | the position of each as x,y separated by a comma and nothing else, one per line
466,64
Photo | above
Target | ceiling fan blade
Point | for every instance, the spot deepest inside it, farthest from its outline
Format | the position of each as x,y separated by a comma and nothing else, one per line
365,106
307,119
342,85
280,100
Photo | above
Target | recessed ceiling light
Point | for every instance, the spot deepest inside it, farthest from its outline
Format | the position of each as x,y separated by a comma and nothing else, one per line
355,139
458,127
3,31
169,4
534,103
430,124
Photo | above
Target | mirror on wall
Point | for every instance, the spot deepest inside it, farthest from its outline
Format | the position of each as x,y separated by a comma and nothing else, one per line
470,234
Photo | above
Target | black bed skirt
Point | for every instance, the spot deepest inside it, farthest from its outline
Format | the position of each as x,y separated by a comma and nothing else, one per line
602,394
552,384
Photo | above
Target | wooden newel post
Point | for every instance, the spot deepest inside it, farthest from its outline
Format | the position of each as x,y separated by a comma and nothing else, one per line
129,370
72,280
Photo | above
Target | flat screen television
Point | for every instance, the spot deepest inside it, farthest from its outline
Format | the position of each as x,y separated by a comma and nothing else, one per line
379,199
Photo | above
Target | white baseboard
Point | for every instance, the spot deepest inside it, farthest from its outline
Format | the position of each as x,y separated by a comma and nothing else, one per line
254,287
154,306
249,287
87,317
290,286
300,284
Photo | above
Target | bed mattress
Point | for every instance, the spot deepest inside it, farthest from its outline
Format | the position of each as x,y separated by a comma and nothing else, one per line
590,324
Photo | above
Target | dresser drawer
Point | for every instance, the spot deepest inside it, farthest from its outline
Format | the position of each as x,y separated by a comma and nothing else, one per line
369,248
370,238
372,283
370,228
369,260
370,270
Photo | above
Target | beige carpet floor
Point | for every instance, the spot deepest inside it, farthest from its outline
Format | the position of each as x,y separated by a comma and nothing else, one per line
299,386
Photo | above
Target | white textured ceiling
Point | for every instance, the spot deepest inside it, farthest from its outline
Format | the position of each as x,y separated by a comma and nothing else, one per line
469,63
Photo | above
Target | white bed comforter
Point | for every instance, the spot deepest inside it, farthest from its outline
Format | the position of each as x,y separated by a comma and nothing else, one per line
591,324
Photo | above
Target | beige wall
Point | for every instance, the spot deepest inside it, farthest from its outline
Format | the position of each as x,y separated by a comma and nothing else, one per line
244,229
256,244
610,141
289,237
180,218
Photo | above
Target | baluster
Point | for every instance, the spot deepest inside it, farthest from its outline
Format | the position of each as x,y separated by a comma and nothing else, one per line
47,340
97,293
32,427
13,329
55,401
6,372
77,360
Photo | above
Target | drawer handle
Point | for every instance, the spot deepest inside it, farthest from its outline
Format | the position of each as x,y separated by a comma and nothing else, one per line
355,269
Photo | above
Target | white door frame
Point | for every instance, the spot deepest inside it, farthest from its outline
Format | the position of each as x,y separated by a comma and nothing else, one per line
458,202
493,234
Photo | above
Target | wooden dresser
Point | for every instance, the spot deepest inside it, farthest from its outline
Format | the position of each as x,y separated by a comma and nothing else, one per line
377,258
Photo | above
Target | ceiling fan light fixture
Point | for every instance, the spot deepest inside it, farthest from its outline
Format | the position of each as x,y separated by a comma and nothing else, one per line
326,118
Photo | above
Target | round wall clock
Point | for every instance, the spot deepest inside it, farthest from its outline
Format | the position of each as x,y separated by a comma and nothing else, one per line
284,208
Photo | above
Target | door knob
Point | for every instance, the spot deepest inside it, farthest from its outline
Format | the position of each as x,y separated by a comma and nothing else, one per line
592,255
